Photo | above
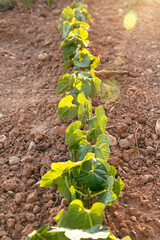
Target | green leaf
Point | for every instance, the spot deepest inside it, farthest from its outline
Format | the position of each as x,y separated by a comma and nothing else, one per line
95,85
97,124
95,232
107,198
83,62
100,149
72,127
80,32
66,109
118,186
93,174
79,217
74,135
63,84
57,171
59,233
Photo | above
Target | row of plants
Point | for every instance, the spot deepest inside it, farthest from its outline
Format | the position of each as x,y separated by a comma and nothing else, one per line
87,180
6,5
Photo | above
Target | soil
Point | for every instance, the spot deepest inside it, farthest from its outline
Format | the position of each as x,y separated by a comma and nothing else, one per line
30,131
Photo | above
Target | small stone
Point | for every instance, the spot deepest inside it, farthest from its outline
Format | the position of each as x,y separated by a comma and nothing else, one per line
157,221
14,160
112,140
32,146
123,143
43,56
64,202
26,159
133,218
30,217
19,197
157,127
149,70
1,115
3,138
10,222
158,66
32,197
147,178
28,229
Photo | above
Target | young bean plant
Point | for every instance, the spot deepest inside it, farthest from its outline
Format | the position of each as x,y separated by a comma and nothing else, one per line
87,180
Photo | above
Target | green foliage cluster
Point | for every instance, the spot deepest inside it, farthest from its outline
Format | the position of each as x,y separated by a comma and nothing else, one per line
87,181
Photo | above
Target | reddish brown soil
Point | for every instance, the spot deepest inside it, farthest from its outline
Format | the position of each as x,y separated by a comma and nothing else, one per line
28,112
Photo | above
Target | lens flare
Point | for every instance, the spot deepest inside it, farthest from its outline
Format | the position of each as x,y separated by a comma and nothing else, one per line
130,20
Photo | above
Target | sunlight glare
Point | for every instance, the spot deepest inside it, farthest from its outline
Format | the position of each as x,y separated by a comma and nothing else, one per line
130,20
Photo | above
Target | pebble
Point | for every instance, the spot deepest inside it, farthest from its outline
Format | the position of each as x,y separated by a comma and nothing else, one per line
14,160
1,115
149,70
43,56
112,140
157,127
26,159
32,197
158,66
133,218
123,143
157,221
32,146
3,138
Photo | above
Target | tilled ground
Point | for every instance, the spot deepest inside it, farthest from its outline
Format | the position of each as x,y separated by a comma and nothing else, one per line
31,63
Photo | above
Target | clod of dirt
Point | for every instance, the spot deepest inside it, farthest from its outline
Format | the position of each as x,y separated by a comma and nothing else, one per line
124,143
